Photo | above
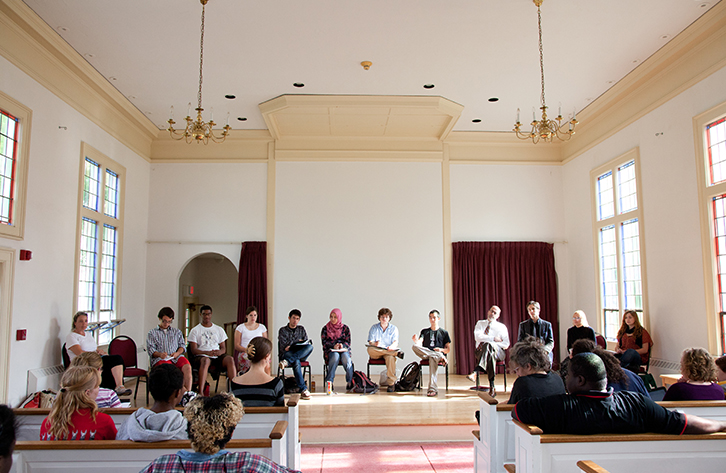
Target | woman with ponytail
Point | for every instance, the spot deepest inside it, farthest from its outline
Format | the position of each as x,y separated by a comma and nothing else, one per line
74,415
256,387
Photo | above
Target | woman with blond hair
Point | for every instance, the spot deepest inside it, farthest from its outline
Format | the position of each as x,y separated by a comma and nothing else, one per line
74,415
106,397
580,330
256,387
211,422
634,342
697,383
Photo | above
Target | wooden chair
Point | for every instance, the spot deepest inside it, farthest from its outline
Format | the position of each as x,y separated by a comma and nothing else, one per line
600,340
126,348
425,362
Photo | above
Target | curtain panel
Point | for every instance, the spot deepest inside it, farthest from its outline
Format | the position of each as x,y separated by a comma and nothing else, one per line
252,280
506,274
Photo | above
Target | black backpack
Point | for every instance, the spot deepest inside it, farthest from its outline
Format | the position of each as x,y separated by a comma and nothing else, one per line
409,377
362,384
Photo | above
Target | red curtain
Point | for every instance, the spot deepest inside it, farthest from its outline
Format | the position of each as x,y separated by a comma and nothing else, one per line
253,280
507,274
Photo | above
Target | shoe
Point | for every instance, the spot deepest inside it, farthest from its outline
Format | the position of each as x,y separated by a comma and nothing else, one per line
349,386
305,394
400,354
188,396
283,365
122,390
471,377
492,391
391,388
432,393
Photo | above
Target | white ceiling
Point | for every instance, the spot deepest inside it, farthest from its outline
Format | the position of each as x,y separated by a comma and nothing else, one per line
470,50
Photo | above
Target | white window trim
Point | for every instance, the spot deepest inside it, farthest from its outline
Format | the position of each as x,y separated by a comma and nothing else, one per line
87,151
616,220
16,230
705,194
7,279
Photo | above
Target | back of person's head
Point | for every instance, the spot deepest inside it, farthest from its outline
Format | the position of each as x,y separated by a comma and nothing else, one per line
615,373
76,383
165,380
591,368
211,421
698,365
258,349
530,351
721,363
385,311
7,437
295,312
88,358
583,345
166,311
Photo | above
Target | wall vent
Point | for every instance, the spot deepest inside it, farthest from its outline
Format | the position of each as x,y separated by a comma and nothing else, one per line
665,364
44,378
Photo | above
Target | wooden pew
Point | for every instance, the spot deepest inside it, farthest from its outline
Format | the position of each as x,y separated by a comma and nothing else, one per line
121,456
590,467
495,443
624,453
256,422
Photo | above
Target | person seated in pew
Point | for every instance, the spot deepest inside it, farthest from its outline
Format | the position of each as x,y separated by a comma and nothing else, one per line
162,421
256,387
529,359
211,421
106,397
74,415
7,438
721,371
697,382
591,408
619,379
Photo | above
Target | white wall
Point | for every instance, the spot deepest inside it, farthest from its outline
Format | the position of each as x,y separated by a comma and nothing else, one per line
671,226
358,236
43,287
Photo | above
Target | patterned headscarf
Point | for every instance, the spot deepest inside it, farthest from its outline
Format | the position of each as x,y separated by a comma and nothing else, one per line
335,330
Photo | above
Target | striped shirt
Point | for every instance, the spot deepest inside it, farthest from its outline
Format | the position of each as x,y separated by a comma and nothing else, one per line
168,341
107,398
271,393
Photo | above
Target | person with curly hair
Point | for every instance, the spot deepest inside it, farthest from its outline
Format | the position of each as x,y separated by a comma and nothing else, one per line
697,384
8,425
256,387
634,342
211,422
530,362
74,415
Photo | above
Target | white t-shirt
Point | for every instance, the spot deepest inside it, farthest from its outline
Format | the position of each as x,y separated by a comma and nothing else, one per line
207,338
86,342
248,334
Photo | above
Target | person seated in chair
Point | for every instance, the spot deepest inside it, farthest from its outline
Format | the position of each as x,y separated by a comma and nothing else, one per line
162,421
591,408
335,336
165,344
697,384
208,344
294,346
383,343
634,342
537,328
433,343
491,338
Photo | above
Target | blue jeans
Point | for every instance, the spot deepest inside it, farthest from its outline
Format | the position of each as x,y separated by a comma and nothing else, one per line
343,358
293,359
630,360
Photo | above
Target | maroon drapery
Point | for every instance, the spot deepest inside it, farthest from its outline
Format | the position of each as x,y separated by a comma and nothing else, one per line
507,274
252,280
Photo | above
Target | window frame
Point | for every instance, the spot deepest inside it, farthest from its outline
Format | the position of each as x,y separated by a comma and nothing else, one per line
618,220
16,229
706,193
101,219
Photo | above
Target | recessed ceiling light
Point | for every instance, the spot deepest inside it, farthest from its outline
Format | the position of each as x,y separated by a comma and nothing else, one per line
494,99
476,120
148,113
610,81
89,55
132,97
62,28
242,119
298,84
112,78
589,99
230,96
704,5
635,61
428,86
665,36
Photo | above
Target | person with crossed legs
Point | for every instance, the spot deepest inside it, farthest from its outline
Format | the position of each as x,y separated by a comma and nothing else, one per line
383,343
165,345
433,343
492,338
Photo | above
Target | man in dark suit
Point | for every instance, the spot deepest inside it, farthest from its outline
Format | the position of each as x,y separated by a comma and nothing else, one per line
537,328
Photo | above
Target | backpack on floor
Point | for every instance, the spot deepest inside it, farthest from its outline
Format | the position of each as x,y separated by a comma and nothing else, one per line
290,385
409,377
362,384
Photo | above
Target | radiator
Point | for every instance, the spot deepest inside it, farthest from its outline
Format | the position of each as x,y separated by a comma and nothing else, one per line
44,378
665,364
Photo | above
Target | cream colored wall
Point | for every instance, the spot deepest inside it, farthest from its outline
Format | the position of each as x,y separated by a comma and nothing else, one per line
43,298
671,222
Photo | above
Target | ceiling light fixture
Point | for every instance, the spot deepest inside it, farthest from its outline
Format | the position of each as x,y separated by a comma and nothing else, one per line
198,130
545,129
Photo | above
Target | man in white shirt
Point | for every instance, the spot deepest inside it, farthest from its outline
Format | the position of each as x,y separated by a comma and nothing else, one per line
491,338
208,344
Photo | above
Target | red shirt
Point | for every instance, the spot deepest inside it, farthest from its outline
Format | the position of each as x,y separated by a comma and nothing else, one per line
84,428
628,341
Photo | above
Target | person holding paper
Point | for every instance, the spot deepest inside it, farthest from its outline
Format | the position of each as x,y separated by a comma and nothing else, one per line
383,343
336,347
208,344
294,346
165,345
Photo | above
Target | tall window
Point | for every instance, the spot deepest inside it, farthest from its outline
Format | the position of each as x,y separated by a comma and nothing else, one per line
14,146
710,131
618,226
99,239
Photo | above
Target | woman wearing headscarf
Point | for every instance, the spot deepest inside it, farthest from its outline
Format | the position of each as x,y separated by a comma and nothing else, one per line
336,347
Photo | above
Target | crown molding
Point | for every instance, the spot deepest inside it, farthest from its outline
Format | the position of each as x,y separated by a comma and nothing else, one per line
239,146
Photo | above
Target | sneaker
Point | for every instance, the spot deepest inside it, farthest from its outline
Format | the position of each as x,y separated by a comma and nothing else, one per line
283,364
305,394
187,397
349,386
122,390
400,354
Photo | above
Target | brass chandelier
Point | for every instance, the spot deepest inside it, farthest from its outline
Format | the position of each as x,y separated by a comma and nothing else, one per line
197,129
545,129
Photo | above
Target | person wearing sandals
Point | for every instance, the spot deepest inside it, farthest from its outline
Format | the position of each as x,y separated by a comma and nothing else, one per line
433,343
